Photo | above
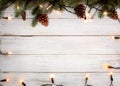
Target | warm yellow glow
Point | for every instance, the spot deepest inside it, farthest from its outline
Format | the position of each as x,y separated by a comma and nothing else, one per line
111,73
18,7
58,12
105,13
9,18
7,80
112,37
106,66
52,75
21,81
87,76
41,6
9,52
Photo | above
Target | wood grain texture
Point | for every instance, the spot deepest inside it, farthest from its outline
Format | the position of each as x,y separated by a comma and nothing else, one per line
60,27
68,48
60,45
96,79
57,63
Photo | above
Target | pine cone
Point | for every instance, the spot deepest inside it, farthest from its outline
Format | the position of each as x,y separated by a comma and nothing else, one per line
23,15
43,19
115,16
80,11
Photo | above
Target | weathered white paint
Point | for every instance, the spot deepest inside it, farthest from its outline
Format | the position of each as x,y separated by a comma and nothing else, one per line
60,27
57,63
68,79
67,47
60,45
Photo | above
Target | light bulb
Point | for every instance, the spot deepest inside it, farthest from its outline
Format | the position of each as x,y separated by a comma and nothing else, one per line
87,76
9,17
111,73
9,52
18,7
7,80
52,75
105,13
41,6
52,78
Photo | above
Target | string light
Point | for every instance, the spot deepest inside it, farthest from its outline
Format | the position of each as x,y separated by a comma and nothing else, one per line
106,66
111,78
23,83
41,6
115,37
6,53
52,78
86,79
4,80
17,7
105,13
9,17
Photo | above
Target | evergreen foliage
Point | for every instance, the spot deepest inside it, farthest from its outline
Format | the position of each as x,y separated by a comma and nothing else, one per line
38,7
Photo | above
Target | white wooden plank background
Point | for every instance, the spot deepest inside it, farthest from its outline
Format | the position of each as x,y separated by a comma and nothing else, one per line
60,45
68,47
60,27
68,79
57,63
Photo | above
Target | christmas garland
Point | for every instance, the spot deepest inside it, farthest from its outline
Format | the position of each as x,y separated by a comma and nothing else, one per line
41,8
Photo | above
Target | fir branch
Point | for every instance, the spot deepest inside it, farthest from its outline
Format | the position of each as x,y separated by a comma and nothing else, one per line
67,6
96,8
68,10
5,7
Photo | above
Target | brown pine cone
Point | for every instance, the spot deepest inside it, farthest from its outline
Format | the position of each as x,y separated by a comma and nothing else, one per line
115,16
43,19
80,11
23,15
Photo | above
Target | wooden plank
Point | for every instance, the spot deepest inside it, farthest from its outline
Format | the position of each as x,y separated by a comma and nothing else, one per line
61,45
96,79
60,27
57,63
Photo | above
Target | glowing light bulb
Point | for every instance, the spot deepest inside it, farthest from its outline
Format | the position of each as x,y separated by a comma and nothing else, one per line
87,76
111,73
105,13
9,52
41,6
9,18
106,66
52,75
115,37
112,37
52,78
58,12
7,80
18,7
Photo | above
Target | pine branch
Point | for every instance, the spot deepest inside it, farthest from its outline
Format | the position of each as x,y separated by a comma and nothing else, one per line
5,7
68,10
